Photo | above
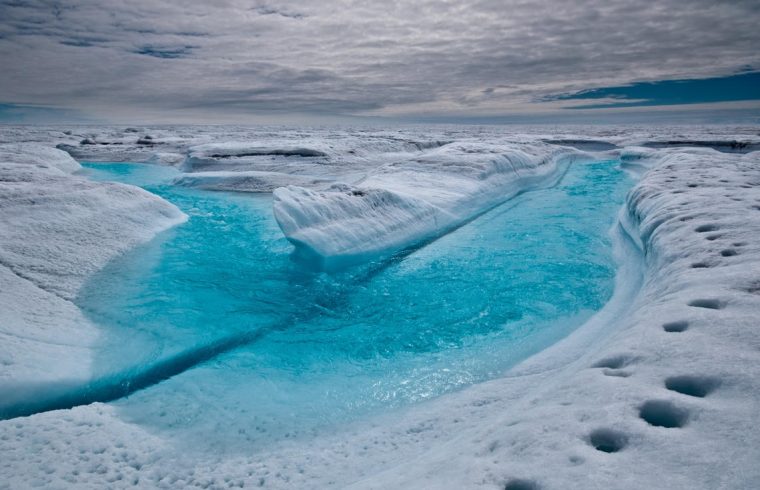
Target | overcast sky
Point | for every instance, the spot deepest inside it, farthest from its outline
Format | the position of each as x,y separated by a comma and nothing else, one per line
230,60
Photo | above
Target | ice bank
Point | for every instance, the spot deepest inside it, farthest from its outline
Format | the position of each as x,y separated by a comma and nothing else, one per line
403,203
57,228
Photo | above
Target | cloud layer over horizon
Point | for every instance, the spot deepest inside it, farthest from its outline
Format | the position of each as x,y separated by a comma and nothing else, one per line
230,60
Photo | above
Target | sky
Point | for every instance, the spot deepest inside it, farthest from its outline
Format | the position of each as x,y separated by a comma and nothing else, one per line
237,61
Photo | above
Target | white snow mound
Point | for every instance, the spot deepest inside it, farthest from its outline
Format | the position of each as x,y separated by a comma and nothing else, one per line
401,204
57,228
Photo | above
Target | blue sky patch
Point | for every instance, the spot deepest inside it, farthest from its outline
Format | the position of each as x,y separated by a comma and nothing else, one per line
38,114
738,87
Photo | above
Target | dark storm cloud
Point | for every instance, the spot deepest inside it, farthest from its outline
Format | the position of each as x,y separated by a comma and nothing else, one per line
267,10
480,57
169,53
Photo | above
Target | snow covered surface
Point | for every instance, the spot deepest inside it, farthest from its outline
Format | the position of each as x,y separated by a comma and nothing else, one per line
57,228
661,389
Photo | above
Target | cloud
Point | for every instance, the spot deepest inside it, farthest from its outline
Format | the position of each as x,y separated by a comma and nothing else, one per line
166,52
349,57
267,10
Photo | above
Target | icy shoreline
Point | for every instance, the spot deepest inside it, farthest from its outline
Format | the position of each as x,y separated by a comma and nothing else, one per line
57,229
684,352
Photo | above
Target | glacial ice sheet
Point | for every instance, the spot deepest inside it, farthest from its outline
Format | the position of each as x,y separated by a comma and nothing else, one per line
506,431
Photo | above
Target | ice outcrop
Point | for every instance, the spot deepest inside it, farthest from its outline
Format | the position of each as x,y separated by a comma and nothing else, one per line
403,203
57,228
212,153
146,140
300,159
247,181
17,155
167,158
723,145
